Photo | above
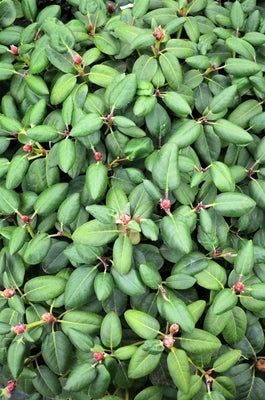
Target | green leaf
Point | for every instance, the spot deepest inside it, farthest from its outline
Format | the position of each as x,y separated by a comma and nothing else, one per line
16,357
37,84
95,233
151,392
130,283
175,311
7,13
165,171
79,287
181,48
223,99
144,105
180,281
236,326
83,321
244,260
176,234
16,171
225,300
142,363
111,330
199,341
240,67
103,285
257,291
50,199
46,382
140,7
257,190
69,209
171,69
158,121
122,254
213,277
222,177
192,29
106,43
6,70
179,369
43,133
102,75
56,351
232,204
37,248
17,239
177,103
232,133
96,180
82,341
100,384
186,134
62,88
149,229
80,377
226,360
121,91
237,15
87,125
144,325
241,47
145,67
66,154
138,148
150,275
44,287
9,200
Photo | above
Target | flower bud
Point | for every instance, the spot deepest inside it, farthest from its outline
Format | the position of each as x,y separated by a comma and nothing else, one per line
98,156
19,329
8,293
168,341
14,50
260,365
48,317
159,33
77,59
239,287
165,204
11,386
174,328
27,148
98,356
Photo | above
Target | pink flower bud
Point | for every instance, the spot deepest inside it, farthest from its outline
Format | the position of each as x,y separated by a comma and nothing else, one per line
27,148
14,50
165,204
48,317
174,328
77,59
11,385
98,356
159,33
19,329
25,219
168,341
239,287
8,293
98,156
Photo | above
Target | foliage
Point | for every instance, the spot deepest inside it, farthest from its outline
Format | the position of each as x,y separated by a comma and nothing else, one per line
132,199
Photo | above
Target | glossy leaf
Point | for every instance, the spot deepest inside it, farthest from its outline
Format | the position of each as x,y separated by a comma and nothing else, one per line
144,325
142,363
44,287
176,234
122,254
88,125
95,233
9,200
171,69
79,287
244,260
232,204
50,199
15,357
96,180
165,171
62,88
222,177
225,300
56,350
111,330
179,369
199,341
66,154
226,360
232,133
80,377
